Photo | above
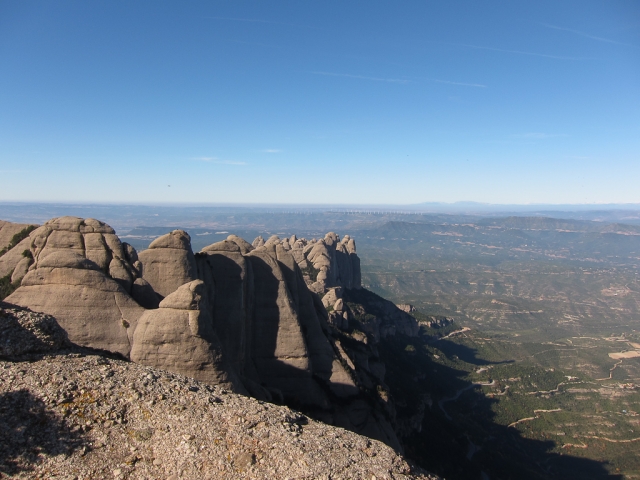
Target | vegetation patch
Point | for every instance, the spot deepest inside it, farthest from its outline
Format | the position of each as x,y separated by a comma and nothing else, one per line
6,287
310,271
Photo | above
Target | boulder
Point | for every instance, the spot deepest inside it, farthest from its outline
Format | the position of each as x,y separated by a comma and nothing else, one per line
332,295
223,246
169,262
245,247
92,308
179,337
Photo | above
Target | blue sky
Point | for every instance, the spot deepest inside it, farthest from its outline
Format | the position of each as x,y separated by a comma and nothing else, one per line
320,102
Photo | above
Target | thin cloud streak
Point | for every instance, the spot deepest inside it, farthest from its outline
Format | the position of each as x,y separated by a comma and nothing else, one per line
519,52
586,35
477,85
272,150
218,161
362,77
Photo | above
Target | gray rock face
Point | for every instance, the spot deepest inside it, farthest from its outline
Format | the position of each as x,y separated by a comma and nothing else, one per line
334,262
80,277
169,263
94,309
228,277
179,337
278,346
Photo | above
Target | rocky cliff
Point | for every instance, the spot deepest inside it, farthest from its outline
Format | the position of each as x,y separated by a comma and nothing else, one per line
279,320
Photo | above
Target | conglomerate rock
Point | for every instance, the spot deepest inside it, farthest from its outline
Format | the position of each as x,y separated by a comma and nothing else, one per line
246,317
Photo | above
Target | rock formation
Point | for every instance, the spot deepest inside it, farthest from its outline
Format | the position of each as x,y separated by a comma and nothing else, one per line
268,319
329,262
78,274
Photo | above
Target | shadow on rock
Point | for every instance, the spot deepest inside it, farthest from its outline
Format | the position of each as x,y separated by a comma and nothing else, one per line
29,431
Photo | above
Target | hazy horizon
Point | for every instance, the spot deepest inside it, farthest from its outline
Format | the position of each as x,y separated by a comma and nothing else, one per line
333,103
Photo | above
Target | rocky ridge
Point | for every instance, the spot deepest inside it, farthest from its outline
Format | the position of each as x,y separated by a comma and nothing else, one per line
70,413
275,319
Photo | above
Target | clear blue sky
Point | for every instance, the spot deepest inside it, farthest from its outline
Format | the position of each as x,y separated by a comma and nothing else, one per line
320,102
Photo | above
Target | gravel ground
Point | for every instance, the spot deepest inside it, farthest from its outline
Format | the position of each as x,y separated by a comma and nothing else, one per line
76,416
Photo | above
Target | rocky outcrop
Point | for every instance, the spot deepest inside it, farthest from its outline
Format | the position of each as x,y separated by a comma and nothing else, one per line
179,337
169,263
328,262
248,317
78,273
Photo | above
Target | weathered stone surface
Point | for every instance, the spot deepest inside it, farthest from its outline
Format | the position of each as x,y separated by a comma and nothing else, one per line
90,305
176,239
223,246
92,308
258,242
179,337
341,383
97,226
320,352
114,244
245,247
143,294
10,260
228,276
21,269
250,321
344,269
62,240
130,253
190,296
331,297
66,259
120,273
96,250
278,345
169,262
